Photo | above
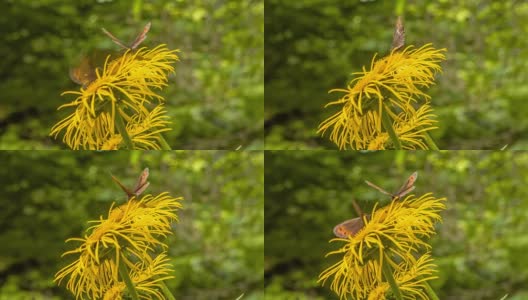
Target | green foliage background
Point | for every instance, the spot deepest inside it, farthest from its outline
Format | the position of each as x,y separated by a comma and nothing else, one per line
49,196
214,100
480,247
313,46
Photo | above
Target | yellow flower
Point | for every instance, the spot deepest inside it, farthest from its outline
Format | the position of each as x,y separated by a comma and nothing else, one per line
142,131
392,86
123,90
390,235
410,128
115,292
379,292
147,277
127,236
410,277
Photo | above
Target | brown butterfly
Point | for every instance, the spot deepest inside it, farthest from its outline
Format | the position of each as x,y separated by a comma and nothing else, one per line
398,39
406,188
353,226
140,187
84,73
140,38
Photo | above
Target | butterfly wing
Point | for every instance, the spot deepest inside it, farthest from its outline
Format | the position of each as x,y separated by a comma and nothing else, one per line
408,186
378,188
349,227
142,182
77,76
398,39
124,188
114,39
141,37
404,192
142,189
84,73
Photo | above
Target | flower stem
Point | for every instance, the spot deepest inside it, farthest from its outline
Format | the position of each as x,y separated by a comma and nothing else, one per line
430,142
430,292
166,291
387,272
163,142
123,271
122,130
387,124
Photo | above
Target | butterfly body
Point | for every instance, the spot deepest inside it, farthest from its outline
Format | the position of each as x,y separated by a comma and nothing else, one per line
353,226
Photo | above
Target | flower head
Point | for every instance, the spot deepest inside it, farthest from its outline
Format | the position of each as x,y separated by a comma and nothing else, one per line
128,236
410,278
410,128
391,86
391,235
143,130
122,92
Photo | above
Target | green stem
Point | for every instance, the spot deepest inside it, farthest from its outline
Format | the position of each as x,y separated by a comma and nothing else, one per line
429,141
163,142
120,124
387,272
387,124
123,271
430,292
166,291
